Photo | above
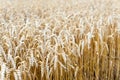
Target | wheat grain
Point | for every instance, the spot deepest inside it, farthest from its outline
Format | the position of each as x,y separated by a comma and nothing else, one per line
77,39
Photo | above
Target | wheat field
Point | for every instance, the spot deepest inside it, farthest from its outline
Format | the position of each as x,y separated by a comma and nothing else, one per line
59,40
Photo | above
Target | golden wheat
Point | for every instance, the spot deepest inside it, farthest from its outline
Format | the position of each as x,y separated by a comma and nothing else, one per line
59,40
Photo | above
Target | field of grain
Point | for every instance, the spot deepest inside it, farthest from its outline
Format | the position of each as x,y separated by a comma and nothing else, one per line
59,39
